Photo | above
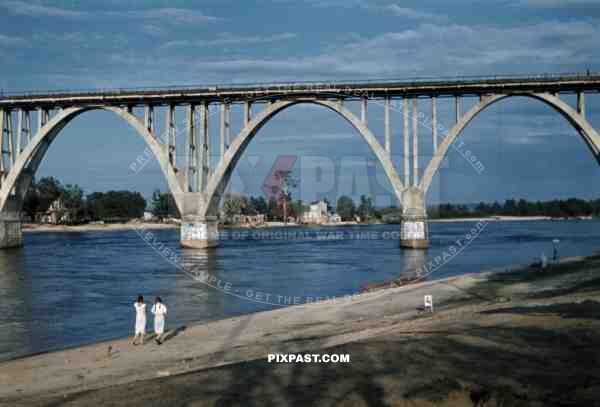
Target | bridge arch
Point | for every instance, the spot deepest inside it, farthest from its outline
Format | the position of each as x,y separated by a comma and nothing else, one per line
28,160
583,127
223,172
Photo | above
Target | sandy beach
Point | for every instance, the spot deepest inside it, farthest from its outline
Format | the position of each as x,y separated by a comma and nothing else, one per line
522,337
34,227
94,227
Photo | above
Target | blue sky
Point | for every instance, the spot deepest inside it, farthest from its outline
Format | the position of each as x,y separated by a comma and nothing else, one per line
528,150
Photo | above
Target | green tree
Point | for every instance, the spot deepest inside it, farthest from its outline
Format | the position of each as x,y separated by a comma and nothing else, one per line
163,205
115,205
258,205
48,190
72,199
235,204
345,208
288,184
31,202
365,209
299,207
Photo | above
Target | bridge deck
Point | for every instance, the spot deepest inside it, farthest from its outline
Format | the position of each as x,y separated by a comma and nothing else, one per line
238,93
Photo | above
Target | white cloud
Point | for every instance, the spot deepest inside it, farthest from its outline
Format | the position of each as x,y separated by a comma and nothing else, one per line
177,15
379,6
412,13
225,39
560,3
440,50
37,10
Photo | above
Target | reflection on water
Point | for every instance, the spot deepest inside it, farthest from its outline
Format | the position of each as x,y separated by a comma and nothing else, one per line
413,265
191,294
16,321
67,289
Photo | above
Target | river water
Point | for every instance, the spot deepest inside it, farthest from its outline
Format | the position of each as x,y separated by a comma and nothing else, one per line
67,289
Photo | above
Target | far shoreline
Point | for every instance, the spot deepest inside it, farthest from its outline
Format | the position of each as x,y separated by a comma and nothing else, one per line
99,227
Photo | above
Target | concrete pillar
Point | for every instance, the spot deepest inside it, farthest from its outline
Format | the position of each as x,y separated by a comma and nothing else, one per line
222,130
581,103
190,150
9,136
171,134
415,152
388,146
247,112
434,122
19,132
2,169
406,136
414,227
228,125
27,127
42,117
149,118
23,129
363,111
11,234
204,150
199,232
39,119
457,107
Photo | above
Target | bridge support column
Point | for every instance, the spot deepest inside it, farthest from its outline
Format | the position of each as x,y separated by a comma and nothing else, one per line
414,228
199,232
10,229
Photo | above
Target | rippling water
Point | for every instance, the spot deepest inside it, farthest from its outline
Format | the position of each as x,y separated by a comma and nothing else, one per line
68,289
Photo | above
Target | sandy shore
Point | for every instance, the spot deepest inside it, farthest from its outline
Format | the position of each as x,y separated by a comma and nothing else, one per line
33,227
525,337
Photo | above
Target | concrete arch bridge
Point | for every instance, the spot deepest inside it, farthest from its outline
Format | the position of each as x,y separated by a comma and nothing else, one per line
197,188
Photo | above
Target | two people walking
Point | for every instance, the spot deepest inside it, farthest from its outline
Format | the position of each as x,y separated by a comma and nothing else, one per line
159,310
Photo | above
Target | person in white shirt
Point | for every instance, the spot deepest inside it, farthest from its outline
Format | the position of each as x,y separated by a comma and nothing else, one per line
159,310
140,320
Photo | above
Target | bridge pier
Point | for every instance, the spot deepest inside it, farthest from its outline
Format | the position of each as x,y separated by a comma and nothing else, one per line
11,234
199,232
414,227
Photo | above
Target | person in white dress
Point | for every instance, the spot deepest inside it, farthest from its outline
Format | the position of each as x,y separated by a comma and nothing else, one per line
140,320
159,310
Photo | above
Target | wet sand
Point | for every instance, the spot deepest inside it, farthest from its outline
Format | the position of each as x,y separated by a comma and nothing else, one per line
524,337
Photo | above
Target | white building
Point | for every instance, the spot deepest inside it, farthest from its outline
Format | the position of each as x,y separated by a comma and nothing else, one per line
149,216
317,213
335,218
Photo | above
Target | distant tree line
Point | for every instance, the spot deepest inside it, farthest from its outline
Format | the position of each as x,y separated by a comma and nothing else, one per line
119,206
111,206
163,205
365,211
556,208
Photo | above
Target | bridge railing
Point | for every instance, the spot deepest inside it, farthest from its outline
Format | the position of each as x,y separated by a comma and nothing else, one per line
233,86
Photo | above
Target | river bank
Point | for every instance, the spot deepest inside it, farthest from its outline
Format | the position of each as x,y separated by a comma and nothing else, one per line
525,337
95,227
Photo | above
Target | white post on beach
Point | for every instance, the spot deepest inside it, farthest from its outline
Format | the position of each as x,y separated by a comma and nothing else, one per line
428,303
555,243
